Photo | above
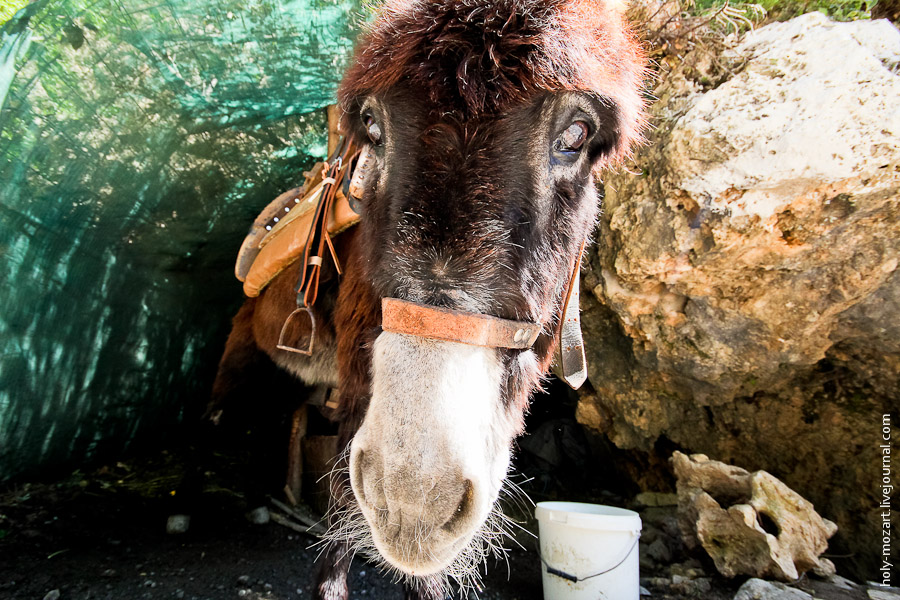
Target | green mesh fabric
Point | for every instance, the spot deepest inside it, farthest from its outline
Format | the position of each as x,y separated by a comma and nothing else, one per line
137,142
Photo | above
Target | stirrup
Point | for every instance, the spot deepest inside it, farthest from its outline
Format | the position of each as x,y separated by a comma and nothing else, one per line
282,344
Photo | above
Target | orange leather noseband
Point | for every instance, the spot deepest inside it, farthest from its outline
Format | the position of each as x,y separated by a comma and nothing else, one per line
400,316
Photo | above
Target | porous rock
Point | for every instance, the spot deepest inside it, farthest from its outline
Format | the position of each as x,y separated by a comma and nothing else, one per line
749,523
745,278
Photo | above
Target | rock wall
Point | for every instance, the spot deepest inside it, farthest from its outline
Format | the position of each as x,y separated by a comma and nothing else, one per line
745,282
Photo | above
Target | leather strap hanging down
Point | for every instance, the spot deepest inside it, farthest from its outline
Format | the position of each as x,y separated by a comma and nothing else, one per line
570,364
314,252
400,316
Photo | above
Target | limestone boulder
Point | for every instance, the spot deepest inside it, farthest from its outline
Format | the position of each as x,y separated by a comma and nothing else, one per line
749,523
746,293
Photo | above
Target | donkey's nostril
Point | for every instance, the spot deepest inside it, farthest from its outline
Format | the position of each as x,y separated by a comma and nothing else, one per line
463,511
367,478
357,476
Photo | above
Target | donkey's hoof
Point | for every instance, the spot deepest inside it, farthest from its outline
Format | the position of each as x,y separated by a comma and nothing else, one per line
178,524
258,516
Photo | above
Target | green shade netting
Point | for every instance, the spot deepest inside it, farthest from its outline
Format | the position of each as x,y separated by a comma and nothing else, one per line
138,140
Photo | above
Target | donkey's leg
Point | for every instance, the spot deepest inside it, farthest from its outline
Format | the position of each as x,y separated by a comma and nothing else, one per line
428,589
355,319
241,355
331,576
334,563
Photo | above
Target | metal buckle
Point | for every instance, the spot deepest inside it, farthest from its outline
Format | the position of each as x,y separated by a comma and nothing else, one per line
282,345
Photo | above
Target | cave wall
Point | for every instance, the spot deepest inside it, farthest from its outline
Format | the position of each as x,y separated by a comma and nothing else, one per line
745,289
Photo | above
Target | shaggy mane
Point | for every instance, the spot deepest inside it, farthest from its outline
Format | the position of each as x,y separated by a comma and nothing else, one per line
479,57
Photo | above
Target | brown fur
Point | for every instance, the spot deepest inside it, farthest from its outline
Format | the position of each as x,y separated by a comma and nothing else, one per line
557,45
469,70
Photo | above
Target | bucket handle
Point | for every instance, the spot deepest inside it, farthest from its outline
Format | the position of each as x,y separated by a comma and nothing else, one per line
576,579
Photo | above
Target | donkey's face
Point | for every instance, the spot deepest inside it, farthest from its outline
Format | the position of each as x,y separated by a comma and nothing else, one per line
481,216
481,196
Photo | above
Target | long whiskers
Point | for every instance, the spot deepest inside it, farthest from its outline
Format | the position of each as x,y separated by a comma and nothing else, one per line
348,526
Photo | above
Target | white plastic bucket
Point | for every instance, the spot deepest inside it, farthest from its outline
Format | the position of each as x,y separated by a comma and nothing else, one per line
588,551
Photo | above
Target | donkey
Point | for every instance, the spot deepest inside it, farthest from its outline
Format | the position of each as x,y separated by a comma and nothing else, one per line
488,122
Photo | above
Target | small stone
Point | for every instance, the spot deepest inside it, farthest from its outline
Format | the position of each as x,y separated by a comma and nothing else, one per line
259,515
149,583
108,573
178,524
656,499
692,573
644,591
758,589
649,534
243,580
692,587
179,594
824,569
243,593
701,586
689,569
842,583
659,552
883,595
52,595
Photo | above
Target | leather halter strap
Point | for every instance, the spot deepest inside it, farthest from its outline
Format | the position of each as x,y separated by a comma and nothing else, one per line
400,316
570,364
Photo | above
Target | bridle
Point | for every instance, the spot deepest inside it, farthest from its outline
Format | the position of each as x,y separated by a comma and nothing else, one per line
344,175
401,316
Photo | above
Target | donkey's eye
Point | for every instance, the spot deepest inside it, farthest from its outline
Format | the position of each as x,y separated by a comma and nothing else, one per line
572,139
373,129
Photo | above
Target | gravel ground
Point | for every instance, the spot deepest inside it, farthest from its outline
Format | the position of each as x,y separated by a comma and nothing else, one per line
103,537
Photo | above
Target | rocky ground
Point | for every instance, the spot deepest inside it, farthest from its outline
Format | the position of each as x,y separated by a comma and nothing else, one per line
101,536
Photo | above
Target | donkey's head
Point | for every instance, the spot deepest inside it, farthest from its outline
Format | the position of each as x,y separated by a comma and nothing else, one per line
488,120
